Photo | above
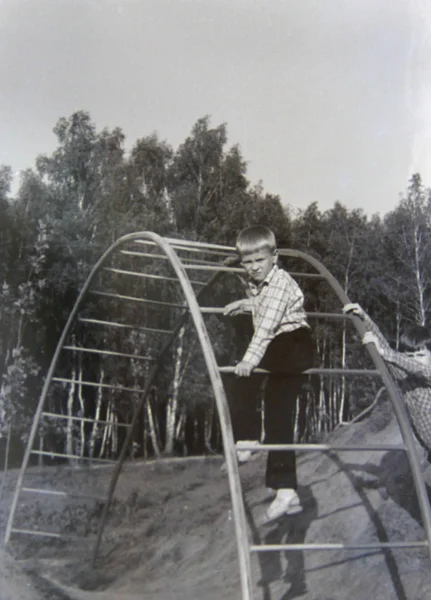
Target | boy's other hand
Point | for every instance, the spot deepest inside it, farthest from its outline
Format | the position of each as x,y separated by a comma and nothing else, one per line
353,309
243,369
371,338
234,308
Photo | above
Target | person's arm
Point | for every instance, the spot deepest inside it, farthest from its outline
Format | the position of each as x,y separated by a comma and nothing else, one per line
355,309
238,307
406,363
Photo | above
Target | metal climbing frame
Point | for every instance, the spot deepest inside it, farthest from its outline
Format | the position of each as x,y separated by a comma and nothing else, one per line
183,256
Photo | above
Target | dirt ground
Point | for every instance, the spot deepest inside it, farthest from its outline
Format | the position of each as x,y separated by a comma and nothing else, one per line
170,534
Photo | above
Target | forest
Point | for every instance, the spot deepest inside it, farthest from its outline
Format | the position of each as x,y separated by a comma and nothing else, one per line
74,204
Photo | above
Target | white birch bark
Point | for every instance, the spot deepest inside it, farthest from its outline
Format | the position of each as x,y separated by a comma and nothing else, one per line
171,412
95,429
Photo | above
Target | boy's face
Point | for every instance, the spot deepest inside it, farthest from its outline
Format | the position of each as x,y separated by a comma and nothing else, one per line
423,356
259,263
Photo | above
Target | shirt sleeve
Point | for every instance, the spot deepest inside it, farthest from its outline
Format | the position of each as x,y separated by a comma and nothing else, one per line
373,328
281,298
407,364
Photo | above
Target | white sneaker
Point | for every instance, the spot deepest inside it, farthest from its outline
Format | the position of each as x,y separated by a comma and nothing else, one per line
286,502
243,456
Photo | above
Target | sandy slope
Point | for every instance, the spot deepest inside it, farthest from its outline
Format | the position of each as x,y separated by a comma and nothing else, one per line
170,535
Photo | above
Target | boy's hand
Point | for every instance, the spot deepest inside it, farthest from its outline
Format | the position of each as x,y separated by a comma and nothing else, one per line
371,338
234,308
243,369
353,309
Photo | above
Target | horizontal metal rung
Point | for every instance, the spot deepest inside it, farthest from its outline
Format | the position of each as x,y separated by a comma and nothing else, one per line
95,384
148,275
259,371
188,246
41,533
164,257
219,310
62,494
51,415
227,269
124,325
108,352
370,546
135,299
322,447
73,456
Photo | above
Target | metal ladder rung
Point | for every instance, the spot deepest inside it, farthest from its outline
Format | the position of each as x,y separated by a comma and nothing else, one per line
85,419
95,384
163,257
40,533
371,372
136,299
73,456
369,546
148,275
62,494
323,447
193,247
123,325
240,270
108,353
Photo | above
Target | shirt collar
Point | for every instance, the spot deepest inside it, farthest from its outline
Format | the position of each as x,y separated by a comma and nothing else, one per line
256,288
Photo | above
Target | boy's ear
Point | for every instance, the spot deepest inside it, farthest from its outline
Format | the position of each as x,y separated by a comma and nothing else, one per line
275,257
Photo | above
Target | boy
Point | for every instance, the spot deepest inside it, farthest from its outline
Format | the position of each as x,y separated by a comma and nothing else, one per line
410,370
282,344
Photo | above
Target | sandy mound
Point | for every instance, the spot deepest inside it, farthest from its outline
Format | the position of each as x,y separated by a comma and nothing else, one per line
170,535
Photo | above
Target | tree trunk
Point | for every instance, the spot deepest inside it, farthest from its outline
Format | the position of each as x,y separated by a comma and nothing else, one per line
152,428
82,413
6,458
171,412
69,427
95,429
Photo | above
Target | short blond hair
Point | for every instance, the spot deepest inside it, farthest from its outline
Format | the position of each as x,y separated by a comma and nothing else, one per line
252,239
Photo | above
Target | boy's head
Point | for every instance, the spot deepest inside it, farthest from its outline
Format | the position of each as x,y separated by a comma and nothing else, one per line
416,340
255,238
258,252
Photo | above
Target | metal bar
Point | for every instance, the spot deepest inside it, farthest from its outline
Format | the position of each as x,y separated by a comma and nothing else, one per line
240,522
203,245
147,275
33,532
219,310
192,246
370,546
62,494
85,419
257,371
135,299
163,257
323,447
397,402
73,456
124,326
94,384
227,269
108,352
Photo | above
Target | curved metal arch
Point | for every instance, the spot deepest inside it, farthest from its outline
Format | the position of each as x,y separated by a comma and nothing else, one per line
222,409
398,404
97,267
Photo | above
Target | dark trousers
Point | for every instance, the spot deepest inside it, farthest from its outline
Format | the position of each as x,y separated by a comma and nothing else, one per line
286,357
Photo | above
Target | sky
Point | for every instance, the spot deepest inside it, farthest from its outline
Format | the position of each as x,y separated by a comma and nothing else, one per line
329,100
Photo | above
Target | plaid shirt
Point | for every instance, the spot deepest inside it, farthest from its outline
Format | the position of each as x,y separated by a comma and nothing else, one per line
414,382
277,306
